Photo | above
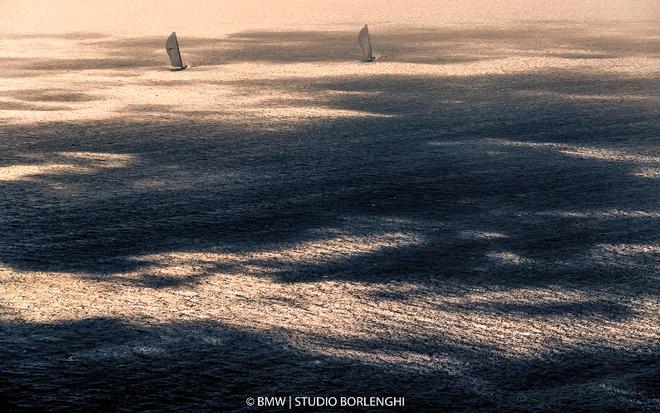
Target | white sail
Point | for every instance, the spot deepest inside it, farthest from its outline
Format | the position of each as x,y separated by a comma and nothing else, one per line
172,47
365,44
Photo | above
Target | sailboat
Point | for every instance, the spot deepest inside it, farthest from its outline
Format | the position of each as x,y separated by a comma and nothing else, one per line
365,44
172,47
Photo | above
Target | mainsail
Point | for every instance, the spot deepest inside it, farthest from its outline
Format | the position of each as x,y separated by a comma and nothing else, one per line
365,44
172,47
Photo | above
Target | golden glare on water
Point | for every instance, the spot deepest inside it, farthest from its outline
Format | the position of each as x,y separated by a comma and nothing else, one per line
217,17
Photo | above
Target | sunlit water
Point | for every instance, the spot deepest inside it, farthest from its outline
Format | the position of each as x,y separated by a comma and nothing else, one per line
217,17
